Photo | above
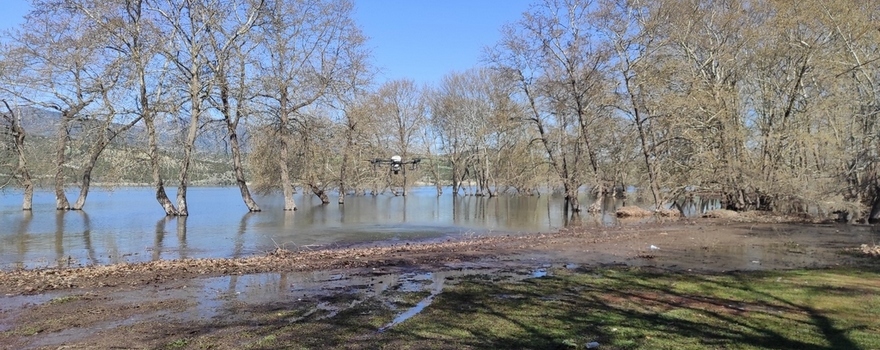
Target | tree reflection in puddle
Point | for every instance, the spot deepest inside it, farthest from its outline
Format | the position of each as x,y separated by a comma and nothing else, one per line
324,294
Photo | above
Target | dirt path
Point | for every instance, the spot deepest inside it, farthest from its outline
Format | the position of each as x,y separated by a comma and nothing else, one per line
143,305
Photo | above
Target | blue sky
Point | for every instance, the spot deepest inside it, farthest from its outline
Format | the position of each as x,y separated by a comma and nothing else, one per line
420,40
424,40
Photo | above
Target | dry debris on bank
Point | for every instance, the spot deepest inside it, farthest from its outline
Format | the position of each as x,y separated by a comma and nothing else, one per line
637,212
872,250
721,214
632,212
282,260
758,216
40,280
669,213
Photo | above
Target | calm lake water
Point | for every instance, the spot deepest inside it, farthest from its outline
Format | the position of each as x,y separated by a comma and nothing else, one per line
127,225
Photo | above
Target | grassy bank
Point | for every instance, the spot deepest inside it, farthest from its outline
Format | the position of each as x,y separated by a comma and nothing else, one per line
619,308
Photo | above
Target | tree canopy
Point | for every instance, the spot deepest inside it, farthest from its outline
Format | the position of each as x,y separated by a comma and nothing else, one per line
769,105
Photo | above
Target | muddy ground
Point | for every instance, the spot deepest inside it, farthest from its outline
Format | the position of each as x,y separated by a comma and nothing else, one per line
150,305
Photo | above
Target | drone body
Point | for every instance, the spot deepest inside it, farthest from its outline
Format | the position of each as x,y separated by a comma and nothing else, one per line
397,163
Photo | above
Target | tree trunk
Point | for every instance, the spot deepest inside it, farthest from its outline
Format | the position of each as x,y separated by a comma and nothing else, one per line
155,165
27,202
456,181
874,215
341,199
437,182
237,166
148,116
349,143
571,197
61,136
284,156
320,193
652,172
87,176
647,152
596,207
195,87
403,169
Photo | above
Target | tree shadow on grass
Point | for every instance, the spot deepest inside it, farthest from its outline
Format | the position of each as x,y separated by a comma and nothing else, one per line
630,310
620,308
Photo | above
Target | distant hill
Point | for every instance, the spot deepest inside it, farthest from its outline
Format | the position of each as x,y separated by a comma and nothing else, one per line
44,123
128,151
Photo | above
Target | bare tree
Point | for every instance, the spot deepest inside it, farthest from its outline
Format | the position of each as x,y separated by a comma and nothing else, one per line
229,52
454,113
636,35
402,110
69,71
855,64
310,49
475,119
132,28
559,68
188,27
353,129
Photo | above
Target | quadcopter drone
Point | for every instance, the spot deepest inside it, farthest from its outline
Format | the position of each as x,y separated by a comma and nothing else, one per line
397,163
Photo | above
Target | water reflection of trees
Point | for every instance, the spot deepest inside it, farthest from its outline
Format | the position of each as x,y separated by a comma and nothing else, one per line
64,229
161,229
21,242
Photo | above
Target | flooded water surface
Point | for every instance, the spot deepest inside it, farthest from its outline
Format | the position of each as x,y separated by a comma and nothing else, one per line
127,225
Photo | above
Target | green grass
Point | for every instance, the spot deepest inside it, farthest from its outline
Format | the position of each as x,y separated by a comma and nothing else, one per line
634,309
177,344
620,308
64,299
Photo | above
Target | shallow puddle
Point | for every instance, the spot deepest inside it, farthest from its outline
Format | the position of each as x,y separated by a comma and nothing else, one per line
409,313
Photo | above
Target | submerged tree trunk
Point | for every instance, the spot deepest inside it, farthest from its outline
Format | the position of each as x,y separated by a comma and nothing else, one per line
284,152
343,169
237,166
22,170
456,180
155,165
320,193
596,207
87,175
652,173
195,96
403,170
186,162
27,202
61,137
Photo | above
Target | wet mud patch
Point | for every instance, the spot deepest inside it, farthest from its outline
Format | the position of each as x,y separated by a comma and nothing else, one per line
69,318
712,246
247,310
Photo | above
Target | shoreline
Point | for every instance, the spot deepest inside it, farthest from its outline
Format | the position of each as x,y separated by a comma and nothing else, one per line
375,255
